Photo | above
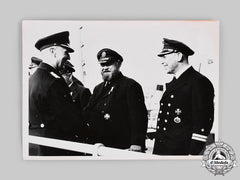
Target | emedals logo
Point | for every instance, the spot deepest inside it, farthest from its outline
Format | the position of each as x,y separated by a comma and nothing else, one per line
219,158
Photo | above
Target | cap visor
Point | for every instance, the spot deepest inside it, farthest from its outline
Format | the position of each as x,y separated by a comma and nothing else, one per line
68,48
162,54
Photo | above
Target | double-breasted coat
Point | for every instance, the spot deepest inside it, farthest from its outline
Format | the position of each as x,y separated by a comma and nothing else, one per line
52,112
118,114
186,115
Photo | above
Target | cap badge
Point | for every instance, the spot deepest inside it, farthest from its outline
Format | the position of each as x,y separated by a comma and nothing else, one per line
103,54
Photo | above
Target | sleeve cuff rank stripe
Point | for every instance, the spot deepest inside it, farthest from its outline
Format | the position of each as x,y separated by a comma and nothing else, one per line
199,137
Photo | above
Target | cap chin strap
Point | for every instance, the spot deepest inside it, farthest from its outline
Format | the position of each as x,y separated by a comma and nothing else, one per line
171,51
167,51
55,44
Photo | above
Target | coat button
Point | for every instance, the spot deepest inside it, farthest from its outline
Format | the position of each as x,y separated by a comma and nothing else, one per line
42,125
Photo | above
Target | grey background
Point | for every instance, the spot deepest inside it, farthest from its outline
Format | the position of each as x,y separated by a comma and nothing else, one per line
13,12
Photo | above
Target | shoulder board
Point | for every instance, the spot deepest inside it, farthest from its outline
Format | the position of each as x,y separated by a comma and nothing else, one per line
54,75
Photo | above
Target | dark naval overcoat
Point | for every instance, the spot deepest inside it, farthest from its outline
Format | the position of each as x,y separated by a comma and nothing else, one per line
118,114
52,112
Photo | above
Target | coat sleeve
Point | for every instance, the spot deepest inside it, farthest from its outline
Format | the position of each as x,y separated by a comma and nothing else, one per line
67,115
202,113
90,114
137,114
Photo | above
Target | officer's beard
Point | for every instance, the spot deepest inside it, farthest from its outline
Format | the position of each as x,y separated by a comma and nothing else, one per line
109,75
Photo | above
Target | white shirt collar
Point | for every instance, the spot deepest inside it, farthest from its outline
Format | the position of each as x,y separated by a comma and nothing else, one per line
181,71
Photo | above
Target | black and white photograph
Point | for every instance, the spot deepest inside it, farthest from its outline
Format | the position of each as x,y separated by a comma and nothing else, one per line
119,90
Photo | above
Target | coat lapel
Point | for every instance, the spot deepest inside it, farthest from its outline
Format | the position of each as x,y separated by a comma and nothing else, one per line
106,91
103,92
100,91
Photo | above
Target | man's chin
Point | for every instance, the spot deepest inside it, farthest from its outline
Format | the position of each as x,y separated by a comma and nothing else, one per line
106,77
167,71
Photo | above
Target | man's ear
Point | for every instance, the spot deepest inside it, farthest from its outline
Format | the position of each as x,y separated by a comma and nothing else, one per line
180,56
53,51
119,63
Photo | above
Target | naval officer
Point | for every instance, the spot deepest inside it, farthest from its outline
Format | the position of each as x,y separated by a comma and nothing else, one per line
52,112
118,114
186,108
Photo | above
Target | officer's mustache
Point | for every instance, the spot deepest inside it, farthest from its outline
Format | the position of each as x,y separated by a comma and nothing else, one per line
103,71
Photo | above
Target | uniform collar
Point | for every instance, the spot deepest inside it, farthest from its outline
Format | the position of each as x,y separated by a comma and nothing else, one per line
185,77
181,71
48,68
114,79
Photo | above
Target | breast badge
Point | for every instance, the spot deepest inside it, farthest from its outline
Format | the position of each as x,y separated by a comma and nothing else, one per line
106,116
177,120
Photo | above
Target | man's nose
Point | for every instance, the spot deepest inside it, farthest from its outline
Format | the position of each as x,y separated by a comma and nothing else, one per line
67,54
104,67
162,60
